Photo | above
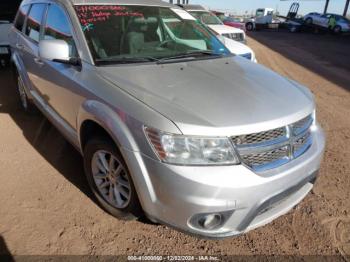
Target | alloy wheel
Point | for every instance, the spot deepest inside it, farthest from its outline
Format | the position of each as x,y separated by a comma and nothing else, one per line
111,179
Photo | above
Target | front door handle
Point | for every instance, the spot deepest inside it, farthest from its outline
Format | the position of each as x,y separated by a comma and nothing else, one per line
38,61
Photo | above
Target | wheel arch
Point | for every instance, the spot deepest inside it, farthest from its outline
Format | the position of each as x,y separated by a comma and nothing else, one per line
97,117
94,114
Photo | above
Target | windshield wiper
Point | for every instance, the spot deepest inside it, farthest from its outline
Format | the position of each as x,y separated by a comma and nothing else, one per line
190,55
126,60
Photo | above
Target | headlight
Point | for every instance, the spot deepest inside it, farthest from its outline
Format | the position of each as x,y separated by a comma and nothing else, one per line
191,150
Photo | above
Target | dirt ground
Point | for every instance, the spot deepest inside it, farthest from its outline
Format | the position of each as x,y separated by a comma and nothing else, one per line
46,207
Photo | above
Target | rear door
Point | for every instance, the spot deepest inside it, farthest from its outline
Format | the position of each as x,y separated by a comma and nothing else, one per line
30,44
16,36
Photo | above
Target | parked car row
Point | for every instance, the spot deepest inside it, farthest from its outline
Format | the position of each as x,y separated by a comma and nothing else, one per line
170,123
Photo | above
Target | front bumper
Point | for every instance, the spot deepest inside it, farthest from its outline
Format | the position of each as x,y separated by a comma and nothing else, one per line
175,194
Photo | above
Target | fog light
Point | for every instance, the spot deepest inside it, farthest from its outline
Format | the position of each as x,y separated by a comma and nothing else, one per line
210,222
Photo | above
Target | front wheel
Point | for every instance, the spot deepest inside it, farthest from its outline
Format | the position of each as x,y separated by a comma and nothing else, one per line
110,180
249,26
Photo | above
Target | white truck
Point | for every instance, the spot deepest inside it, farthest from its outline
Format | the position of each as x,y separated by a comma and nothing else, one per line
263,19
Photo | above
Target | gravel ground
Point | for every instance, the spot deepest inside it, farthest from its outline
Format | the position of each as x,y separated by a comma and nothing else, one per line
46,207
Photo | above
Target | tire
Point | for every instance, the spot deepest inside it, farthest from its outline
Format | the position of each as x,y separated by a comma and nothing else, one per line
25,103
115,191
337,30
293,29
249,26
309,21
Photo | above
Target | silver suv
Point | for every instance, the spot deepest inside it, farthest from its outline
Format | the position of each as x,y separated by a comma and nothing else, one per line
171,125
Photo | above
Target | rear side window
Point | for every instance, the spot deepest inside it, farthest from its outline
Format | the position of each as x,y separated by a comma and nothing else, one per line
34,20
57,27
21,17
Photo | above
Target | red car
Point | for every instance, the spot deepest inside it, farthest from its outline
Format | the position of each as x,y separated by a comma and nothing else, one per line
234,22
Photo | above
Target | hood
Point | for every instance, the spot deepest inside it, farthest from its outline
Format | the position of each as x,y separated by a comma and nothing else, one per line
226,96
225,29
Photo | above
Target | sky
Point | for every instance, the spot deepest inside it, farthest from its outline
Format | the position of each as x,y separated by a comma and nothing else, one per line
241,6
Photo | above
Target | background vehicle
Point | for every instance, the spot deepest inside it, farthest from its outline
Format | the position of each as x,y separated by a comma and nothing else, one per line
238,48
4,42
234,46
234,22
8,10
211,20
322,20
263,19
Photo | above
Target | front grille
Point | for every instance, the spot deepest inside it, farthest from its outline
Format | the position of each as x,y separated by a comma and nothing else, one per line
302,125
258,159
261,137
301,144
270,149
235,36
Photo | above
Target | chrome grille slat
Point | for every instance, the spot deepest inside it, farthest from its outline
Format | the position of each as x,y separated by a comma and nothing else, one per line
270,149
302,144
261,137
302,125
266,157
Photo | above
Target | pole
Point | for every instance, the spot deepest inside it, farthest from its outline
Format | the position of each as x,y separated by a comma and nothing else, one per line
326,6
346,7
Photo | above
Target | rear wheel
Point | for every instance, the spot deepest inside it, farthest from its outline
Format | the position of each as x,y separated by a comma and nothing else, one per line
26,104
110,180
309,21
337,30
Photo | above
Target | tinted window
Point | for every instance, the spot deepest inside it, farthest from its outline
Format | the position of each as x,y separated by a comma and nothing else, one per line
57,27
34,20
22,13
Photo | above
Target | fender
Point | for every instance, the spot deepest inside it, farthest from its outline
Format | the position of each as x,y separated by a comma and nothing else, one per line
110,120
113,123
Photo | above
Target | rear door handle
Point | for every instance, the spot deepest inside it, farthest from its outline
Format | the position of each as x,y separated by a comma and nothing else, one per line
38,61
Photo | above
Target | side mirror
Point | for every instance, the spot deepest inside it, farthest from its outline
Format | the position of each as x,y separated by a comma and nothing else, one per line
57,51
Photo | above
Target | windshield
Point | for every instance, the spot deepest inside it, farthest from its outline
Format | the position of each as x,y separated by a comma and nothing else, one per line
260,12
206,18
140,33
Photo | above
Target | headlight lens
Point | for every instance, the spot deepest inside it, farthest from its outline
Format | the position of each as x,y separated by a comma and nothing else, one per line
191,150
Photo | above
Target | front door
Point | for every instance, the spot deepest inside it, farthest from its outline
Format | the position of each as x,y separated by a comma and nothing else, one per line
60,82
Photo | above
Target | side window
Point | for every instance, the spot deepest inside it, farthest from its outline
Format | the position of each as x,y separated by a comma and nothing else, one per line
57,27
34,20
21,16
